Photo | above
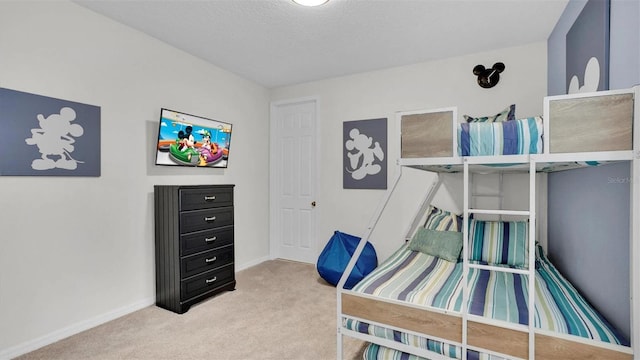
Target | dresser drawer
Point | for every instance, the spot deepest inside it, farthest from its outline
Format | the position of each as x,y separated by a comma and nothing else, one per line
197,220
195,242
206,282
205,198
195,264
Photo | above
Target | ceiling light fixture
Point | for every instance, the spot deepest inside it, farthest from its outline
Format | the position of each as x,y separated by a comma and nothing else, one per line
310,2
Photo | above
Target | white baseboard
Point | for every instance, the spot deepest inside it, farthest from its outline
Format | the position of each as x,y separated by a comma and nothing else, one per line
73,329
76,328
252,263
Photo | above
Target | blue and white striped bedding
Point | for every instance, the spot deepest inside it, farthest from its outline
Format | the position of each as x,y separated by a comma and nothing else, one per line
424,279
514,137
499,242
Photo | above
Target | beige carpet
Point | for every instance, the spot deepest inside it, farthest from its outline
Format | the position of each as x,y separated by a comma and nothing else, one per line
279,310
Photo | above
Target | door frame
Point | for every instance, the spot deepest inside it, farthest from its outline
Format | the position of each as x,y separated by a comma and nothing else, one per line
274,171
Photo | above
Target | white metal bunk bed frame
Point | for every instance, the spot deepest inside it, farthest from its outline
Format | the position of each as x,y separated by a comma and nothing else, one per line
633,156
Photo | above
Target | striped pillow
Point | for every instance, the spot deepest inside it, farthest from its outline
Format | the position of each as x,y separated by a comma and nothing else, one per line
442,220
499,242
522,136
509,113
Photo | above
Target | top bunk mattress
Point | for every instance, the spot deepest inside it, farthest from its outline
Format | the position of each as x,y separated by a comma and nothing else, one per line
423,279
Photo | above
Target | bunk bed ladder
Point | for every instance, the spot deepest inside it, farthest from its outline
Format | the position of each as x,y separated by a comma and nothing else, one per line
531,308
531,215
476,195
465,255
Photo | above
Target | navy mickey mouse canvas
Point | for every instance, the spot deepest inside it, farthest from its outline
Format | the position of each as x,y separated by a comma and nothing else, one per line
588,49
45,136
364,154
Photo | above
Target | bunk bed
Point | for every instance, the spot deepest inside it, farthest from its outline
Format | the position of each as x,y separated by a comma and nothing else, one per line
502,298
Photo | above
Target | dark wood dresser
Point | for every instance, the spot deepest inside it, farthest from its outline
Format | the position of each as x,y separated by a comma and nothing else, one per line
194,244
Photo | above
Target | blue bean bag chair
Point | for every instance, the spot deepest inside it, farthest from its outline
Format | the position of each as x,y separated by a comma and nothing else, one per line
336,255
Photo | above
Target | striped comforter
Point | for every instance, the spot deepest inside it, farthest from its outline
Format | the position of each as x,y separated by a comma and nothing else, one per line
514,137
423,279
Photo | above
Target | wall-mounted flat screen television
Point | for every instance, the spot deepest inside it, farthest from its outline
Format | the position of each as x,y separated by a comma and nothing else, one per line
189,140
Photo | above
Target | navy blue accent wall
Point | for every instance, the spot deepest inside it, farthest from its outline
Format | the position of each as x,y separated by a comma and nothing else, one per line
588,208
589,236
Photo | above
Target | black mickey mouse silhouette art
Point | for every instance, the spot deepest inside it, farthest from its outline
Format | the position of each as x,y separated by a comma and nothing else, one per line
488,78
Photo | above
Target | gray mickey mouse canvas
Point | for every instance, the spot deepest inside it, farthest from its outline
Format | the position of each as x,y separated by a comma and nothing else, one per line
364,154
45,136
587,46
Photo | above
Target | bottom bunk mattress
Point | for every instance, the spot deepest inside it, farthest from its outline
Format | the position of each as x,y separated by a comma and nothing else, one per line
419,278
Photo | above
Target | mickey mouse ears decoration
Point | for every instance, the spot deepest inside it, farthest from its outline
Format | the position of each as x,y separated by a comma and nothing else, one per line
488,78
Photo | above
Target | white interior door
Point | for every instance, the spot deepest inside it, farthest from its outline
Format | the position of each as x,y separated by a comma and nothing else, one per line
294,162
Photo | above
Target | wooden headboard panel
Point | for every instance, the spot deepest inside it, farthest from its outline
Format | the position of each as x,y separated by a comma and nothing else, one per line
428,134
585,124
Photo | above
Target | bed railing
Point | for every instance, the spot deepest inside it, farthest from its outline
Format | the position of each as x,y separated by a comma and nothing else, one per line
366,236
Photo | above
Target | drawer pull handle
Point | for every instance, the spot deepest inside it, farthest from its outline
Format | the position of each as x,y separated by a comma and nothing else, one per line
211,260
210,239
209,281
209,198
211,218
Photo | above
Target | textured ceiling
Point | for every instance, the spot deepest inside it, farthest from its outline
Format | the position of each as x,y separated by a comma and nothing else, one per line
276,42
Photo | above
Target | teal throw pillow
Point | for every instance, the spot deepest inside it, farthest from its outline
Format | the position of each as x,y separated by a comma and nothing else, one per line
446,245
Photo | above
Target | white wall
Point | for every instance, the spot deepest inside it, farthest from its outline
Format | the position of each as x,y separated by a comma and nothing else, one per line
382,93
78,251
